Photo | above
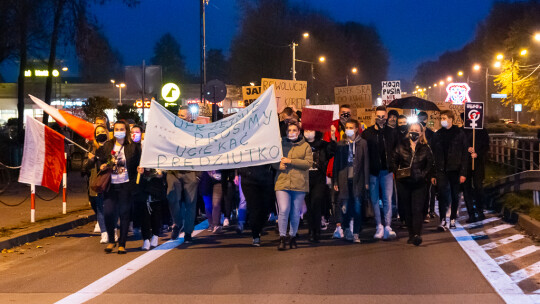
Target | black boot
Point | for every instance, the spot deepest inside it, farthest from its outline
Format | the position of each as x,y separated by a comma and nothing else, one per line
292,243
282,246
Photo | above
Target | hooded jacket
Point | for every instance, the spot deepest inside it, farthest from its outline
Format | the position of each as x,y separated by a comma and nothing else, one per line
296,176
360,167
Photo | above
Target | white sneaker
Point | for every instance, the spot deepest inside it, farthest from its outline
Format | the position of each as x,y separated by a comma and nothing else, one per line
116,235
104,238
226,222
379,233
324,224
442,226
130,227
338,233
217,229
154,241
388,233
356,238
146,245
348,234
96,228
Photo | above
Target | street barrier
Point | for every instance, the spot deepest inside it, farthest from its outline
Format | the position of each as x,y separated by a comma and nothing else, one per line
516,152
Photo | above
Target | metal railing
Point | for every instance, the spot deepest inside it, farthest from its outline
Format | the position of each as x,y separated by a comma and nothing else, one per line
516,152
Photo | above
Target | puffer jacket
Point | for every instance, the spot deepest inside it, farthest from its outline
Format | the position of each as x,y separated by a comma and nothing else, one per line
296,176
422,168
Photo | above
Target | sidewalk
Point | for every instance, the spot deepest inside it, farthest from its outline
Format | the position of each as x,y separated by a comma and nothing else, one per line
15,226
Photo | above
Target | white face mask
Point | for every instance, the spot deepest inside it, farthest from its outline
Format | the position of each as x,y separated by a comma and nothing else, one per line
292,136
120,134
309,135
444,123
136,137
350,133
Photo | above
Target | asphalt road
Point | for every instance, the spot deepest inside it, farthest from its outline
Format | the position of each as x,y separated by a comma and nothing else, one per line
227,269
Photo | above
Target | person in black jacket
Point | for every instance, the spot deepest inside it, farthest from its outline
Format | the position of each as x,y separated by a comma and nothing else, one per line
429,209
473,190
257,184
121,156
413,153
450,153
318,191
382,141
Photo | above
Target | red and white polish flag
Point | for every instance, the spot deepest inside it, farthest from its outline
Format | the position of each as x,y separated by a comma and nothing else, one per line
43,161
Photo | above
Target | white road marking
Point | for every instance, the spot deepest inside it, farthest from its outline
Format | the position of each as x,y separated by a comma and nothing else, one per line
503,241
525,273
479,224
516,255
492,230
100,286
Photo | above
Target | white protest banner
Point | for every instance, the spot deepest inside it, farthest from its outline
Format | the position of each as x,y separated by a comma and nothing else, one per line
390,90
250,93
247,138
289,93
359,96
333,107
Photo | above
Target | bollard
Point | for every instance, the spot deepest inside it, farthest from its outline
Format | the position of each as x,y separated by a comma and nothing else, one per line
64,188
32,203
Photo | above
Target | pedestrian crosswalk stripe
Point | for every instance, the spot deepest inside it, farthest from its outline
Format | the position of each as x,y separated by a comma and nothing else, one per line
479,224
517,254
503,241
492,230
525,273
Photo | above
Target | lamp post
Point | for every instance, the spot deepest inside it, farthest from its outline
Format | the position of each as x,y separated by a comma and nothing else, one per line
500,57
322,59
353,71
120,86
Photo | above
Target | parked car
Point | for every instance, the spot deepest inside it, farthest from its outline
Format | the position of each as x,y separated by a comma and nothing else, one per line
507,121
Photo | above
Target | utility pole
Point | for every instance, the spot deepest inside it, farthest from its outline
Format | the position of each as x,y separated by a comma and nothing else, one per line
203,47
294,45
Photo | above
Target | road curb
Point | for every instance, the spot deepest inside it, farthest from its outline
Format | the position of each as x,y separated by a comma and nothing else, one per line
529,225
36,233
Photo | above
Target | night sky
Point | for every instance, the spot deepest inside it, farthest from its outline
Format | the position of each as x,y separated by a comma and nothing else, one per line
413,31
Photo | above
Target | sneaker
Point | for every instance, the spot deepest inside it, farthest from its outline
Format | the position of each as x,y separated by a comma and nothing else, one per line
389,234
146,245
122,250
217,229
324,224
417,240
356,238
96,228
338,233
104,238
188,239
116,235
175,232
426,220
481,216
452,224
348,235
210,228
379,233
442,226
257,242
226,222
130,229
432,215
154,241
240,228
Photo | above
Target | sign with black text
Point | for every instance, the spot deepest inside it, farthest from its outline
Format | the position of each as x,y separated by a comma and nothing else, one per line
390,90
474,115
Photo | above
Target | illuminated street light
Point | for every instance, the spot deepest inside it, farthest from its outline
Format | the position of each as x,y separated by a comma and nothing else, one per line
523,52
435,85
65,69
120,86
429,87
417,87
322,59
252,84
500,57
306,35
460,73
537,36
441,82
497,64
354,70
476,67
449,78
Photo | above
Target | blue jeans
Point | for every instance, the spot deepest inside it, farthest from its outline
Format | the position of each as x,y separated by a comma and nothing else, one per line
97,205
385,183
182,198
288,200
242,206
352,209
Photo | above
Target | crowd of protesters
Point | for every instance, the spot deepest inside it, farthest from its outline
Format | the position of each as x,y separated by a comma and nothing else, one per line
343,176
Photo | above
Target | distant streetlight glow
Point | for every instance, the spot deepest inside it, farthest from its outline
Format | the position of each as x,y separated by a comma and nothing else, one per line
354,70
537,36
523,52
65,69
441,82
322,59
460,73
500,57
252,84
435,85
417,87
476,67
449,78
113,81
497,64
306,35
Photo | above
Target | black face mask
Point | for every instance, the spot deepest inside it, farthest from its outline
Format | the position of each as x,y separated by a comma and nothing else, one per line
414,136
403,129
344,117
101,138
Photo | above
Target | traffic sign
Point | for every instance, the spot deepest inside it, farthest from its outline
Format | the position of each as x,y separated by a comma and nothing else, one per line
170,92
499,95
517,107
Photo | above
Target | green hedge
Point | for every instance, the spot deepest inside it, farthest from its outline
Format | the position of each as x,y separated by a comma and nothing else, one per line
521,130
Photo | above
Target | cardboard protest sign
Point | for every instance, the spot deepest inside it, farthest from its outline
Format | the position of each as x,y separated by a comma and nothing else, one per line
333,107
250,94
315,119
289,93
355,96
390,90
248,138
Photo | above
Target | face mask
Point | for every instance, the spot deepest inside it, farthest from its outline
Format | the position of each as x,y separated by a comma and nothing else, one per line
346,116
380,122
444,123
309,135
350,133
101,138
403,129
414,136
120,135
136,137
292,136
423,124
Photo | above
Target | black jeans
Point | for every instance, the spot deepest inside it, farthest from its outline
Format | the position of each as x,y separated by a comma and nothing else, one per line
431,192
473,192
412,198
449,188
316,198
259,201
117,198
151,221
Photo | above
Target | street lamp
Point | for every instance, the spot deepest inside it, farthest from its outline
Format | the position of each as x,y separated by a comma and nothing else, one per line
460,73
353,71
449,78
322,59
120,86
306,35
65,69
252,84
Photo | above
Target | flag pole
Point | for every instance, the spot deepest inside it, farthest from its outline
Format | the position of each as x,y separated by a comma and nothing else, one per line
32,203
64,188
76,144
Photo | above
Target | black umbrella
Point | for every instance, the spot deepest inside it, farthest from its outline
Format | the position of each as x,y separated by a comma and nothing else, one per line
413,103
